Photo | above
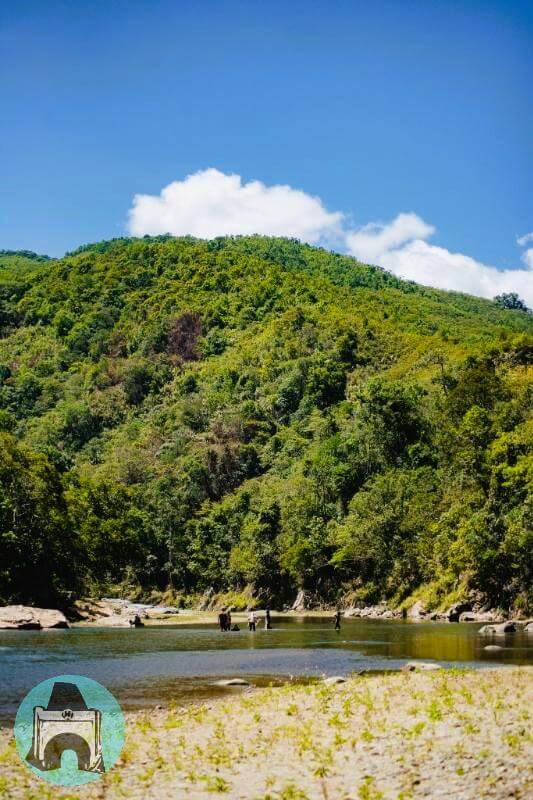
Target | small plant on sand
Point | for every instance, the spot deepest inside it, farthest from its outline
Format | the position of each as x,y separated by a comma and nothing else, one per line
305,738
466,694
367,790
336,722
434,712
515,741
145,724
291,792
172,722
339,740
416,730
347,707
470,728
214,783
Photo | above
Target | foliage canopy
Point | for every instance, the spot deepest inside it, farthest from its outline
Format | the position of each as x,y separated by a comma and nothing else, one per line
255,411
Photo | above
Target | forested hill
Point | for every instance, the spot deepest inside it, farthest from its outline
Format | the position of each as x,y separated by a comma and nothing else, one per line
254,413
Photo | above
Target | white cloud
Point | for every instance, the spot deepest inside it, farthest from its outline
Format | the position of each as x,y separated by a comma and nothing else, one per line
523,240
401,247
372,240
210,203
527,258
527,255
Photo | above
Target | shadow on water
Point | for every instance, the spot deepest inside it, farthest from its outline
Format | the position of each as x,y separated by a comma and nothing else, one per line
158,664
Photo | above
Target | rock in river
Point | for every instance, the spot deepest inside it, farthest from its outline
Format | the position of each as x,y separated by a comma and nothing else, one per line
420,666
334,679
232,682
30,618
503,627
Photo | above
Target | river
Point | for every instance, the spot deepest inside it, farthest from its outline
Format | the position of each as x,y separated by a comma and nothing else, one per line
162,663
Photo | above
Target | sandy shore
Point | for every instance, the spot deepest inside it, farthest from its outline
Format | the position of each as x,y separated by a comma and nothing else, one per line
445,734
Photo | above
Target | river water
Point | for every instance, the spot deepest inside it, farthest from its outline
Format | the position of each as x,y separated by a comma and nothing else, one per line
159,664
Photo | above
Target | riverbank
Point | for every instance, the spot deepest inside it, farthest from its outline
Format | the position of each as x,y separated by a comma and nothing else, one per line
444,734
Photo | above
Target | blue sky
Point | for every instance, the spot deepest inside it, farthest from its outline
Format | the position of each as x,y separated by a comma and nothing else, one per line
379,109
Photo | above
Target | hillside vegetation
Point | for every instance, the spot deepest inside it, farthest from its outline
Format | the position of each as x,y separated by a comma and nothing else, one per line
254,412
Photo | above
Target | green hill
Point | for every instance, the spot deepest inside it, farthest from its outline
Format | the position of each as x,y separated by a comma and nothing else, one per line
254,412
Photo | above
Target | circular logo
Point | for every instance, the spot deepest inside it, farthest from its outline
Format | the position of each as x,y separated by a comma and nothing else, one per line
69,730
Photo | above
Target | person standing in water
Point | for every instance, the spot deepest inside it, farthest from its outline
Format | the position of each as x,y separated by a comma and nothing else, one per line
228,619
252,620
337,620
223,620
268,624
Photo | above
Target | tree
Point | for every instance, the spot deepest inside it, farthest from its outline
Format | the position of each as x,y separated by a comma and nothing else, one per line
512,301
183,335
39,549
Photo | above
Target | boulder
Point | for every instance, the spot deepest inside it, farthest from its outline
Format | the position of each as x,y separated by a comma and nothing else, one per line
156,610
522,624
529,628
492,647
352,612
456,610
110,612
30,618
334,680
299,603
232,682
51,618
417,611
503,627
207,600
478,616
114,621
89,610
420,666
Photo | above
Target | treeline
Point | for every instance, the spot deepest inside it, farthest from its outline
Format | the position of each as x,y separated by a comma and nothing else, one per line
256,413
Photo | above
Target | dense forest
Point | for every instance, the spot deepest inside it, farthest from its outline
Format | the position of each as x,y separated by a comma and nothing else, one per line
257,415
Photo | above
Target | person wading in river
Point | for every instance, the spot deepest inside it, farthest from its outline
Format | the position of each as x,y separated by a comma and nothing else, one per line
252,620
223,620
337,619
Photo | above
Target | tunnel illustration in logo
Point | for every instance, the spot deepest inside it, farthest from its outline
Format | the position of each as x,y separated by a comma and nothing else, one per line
69,730
66,724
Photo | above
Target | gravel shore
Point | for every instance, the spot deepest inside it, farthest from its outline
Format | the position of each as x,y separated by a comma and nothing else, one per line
459,735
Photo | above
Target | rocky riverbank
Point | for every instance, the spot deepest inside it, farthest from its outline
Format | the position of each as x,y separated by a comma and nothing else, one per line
458,612
31,618
439,734
108,612
118,612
